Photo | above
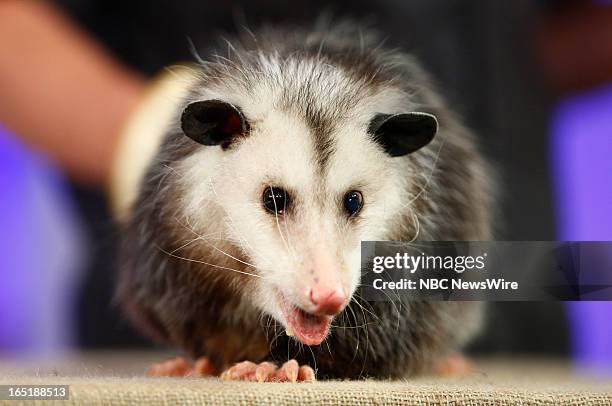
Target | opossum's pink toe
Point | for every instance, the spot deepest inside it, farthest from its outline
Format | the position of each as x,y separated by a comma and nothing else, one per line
288,372
242,371
306,374
265,371
173,367
204,367
453,365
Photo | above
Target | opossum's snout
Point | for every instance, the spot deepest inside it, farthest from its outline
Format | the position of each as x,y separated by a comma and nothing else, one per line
310,324
318,295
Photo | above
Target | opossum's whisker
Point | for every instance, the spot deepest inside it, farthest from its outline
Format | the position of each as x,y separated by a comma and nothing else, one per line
243,26
288,344
360,305
290,247
206,263
194,51
162,178
230,48
365,357
278,223
212,188
246,242
289,240
433,168
314,359
278,333
341,327
274,331
399,299
417,225
358,339
326,340
397,310
203,238
191,241
356,323
230,255
364,325
191,229
268,325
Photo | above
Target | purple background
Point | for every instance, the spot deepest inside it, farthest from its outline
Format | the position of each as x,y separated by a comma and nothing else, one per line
581,154
40,252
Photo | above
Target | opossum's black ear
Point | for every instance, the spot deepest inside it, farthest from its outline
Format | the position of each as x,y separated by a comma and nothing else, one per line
213,122
401,134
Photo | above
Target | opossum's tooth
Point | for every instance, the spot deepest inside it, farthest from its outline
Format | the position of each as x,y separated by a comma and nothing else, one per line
289,332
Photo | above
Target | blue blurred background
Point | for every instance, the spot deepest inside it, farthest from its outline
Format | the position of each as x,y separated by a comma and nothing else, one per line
533,78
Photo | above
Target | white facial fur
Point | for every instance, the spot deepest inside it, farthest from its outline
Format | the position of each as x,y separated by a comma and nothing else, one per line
280,151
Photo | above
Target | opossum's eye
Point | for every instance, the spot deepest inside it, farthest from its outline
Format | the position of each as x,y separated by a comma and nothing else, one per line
401,134
353,202
212,122
276,200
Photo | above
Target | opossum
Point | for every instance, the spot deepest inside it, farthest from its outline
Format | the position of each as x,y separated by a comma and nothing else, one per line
242,247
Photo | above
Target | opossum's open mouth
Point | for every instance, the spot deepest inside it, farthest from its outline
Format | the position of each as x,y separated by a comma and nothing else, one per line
308,328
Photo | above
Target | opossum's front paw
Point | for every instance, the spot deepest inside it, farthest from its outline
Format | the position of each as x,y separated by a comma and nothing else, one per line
454,365
290,371
181,367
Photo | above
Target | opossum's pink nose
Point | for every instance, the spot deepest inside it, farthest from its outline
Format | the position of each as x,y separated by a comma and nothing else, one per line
327,301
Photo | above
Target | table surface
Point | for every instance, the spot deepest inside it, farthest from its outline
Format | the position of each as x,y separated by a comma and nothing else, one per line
118,378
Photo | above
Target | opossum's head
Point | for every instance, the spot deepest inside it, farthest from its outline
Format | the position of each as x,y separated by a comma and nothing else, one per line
298,189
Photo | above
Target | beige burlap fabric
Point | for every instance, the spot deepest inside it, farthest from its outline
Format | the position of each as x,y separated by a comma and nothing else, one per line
496,382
